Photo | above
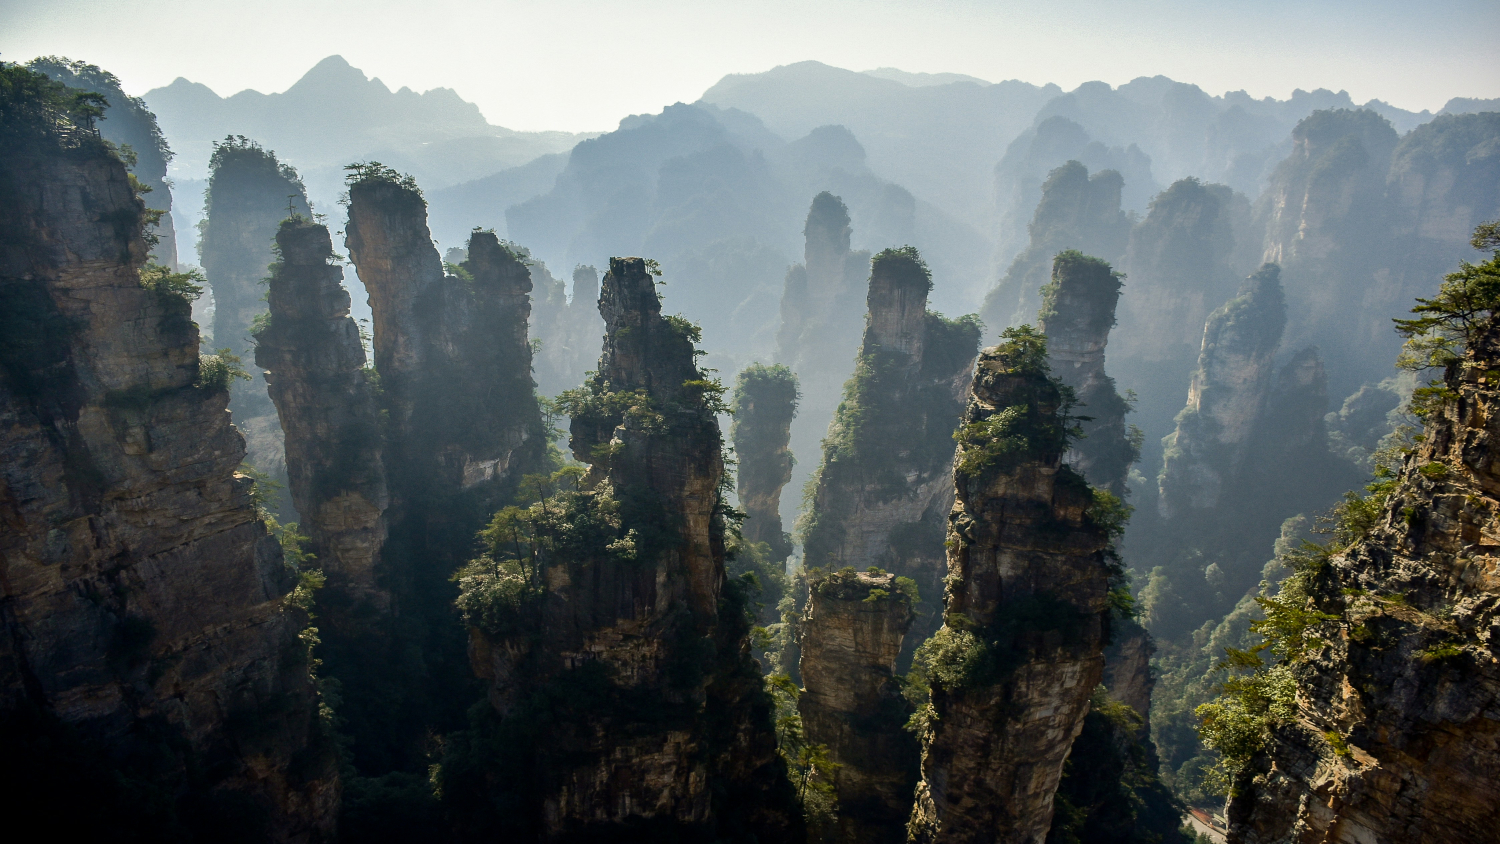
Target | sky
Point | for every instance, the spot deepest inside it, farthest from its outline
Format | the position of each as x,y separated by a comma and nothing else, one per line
581,65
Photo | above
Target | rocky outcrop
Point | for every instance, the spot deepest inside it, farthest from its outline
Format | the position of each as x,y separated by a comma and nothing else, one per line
249,193
627,665
1228,395
569,331
851,635
884,484
1391,734
1021,648
1078,310
765,402
1127,668
315,370
149,655
820,319
1077,211
128,122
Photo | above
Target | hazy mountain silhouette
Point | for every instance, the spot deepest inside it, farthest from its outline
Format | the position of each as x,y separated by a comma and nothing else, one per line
335,115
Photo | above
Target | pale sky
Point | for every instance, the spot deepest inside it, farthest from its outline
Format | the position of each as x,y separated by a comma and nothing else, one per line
583,64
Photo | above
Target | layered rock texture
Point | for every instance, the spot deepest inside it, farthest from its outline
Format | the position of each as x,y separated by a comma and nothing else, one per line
851,702
149,660
1077,211
765,402
820,317
315,371
884,486
623,671
249,193
1078,310
1021,649
1025,616
127,122
1391,734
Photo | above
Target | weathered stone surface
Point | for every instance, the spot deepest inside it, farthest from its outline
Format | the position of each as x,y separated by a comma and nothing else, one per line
765,402
1407,678
1078,310
141,591
885,480
1021,649
314,365
1228,396
249,193
678,736
851,635
1127,668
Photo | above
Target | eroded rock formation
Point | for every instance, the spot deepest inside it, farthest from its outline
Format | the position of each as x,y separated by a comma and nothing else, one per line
884,484
851,635
150,659
1392,730
1021,649
315,371
249,193
1229,392
1077,211
765,402
627,665
569,331
1078,310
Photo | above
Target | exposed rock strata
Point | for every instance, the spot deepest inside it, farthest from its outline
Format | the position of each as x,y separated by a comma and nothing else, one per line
851,635
1078,310
249,193
676,734
143,599
765,402
1394,736
314,365
1021,649
885,481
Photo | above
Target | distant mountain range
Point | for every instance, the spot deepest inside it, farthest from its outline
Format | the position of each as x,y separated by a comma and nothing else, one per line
335,115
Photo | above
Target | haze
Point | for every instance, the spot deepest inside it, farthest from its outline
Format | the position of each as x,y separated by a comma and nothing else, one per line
581,65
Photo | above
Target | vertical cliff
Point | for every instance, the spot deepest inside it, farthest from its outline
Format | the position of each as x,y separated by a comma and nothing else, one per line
1025,616
1229,392
881,491
851,635
765,402
151,659
249,193
1076,211
315,372
1078,310
128,122
617,655
1376,720
462,426
820,319
569,334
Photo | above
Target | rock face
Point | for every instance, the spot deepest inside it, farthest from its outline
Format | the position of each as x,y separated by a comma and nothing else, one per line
127,120
145,626
1078,310
820,318
1393,733
765,402
885,481
1127,668
1229,393
314,365
851,635
675,735
569,331
1077,211
249,193
462,426
1021,649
